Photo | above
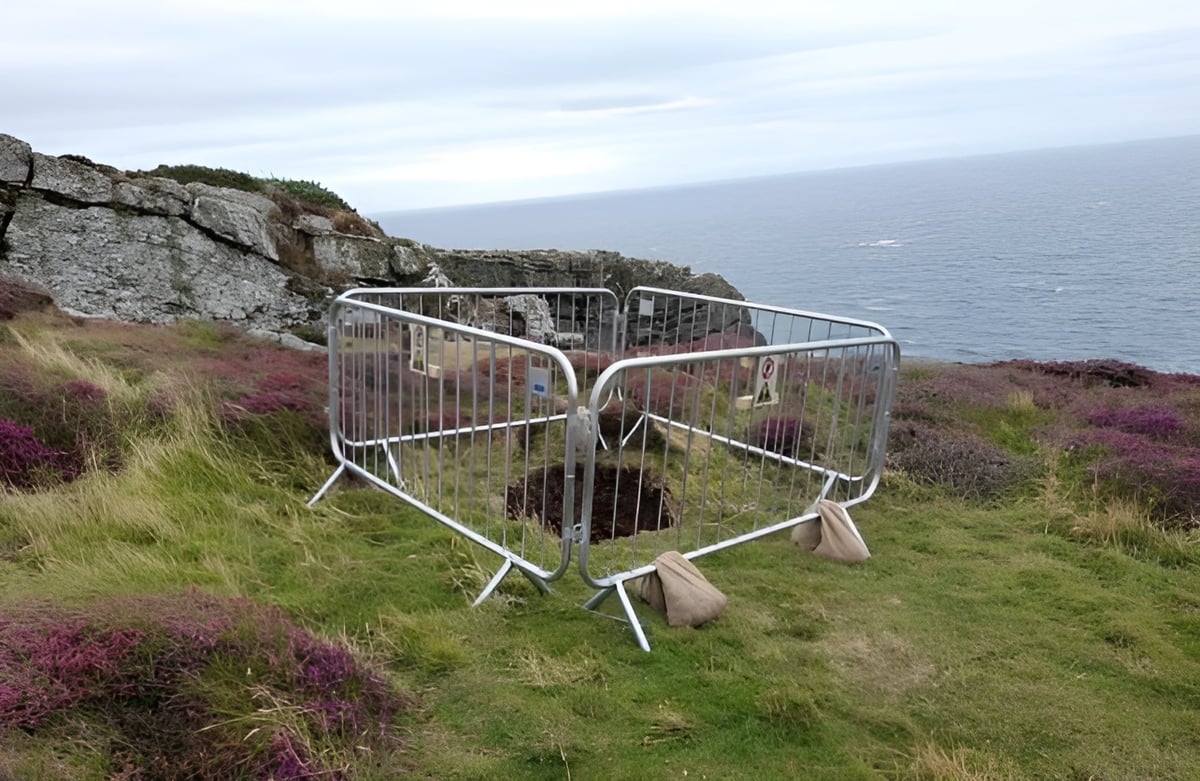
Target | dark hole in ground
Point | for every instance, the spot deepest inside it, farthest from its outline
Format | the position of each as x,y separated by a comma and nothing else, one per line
625,500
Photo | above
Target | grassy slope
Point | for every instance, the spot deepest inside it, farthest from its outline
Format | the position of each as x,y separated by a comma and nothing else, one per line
997,640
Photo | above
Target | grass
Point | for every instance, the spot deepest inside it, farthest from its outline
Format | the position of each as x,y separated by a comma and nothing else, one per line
1049,628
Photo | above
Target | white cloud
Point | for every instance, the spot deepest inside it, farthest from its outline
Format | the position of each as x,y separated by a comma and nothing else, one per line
488,164
399,104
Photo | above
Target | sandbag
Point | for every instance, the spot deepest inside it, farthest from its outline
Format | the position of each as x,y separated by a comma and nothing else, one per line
835,533
679,590
808,534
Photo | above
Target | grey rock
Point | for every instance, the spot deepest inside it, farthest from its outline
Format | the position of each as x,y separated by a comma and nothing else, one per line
240,217
435,277
16,160
353,256
71,179
409,262
535,312
313,224
145,268
290,341
151,194
129,246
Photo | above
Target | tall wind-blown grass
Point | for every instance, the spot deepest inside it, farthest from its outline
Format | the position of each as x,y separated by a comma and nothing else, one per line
176,611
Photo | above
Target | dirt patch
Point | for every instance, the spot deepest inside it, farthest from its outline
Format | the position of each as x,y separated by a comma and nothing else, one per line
626,500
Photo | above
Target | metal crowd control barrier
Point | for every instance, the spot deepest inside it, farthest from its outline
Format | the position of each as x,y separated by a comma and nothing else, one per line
532,420
730,421
434,400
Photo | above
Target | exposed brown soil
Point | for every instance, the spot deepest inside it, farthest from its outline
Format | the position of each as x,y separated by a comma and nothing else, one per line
616,500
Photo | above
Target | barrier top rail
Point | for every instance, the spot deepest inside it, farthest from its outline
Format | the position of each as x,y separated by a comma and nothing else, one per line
639,292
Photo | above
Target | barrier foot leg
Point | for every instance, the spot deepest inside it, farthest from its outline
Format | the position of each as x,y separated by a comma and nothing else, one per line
392,465
630,617
501,573
634,624
336,474
641,421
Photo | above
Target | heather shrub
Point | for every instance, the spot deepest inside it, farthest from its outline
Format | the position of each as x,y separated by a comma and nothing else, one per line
83,391
193,686
26,462
786,436
18,296
88,421
1156,422
965,464
284,412
677,395
264,402
1163,476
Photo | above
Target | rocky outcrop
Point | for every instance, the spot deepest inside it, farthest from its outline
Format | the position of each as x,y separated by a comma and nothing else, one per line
131,246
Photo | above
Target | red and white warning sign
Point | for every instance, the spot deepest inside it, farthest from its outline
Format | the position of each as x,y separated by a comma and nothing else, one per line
765,381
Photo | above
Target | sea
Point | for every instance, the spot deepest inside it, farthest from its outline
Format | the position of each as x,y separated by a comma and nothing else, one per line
1058,254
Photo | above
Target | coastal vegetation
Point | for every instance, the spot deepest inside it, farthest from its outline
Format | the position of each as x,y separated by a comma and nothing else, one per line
293,197
170,608
306,191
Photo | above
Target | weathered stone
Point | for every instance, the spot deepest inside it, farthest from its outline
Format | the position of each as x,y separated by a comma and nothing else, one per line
151,194
527,316
313,224
435,277
145,268
136,247
242,218
71,180
409,262
534,312
290,341
16,160
353,256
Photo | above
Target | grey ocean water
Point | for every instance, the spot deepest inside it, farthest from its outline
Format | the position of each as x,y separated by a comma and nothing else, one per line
1087,252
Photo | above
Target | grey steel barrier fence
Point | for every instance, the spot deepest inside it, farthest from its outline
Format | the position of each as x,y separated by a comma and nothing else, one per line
730,422
433,399
708,422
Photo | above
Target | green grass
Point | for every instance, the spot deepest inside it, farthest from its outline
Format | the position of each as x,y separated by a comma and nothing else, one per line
1052,633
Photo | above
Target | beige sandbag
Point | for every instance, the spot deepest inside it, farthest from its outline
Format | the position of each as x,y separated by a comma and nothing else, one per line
808,534
677,589
837,536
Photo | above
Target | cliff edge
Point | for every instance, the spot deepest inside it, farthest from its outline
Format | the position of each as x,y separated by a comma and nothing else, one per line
137,247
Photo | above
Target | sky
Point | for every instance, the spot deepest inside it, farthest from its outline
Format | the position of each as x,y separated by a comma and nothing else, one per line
404,105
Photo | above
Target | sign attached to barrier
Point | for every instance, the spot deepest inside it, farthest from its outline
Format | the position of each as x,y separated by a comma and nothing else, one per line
766,384
765,381
539,382
646,307
418,348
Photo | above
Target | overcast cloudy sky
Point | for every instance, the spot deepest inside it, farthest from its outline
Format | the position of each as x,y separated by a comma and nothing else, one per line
400,105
